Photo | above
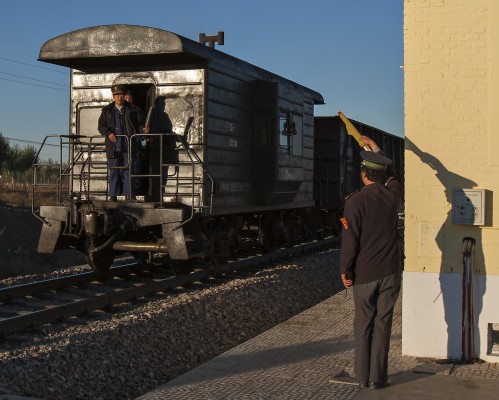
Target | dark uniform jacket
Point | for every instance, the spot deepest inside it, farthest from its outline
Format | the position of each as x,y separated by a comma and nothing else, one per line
370,248
133,125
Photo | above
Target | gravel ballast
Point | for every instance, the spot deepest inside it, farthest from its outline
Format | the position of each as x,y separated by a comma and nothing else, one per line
124,354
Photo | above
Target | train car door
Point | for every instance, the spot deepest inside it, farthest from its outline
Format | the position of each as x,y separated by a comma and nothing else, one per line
265,146
144,97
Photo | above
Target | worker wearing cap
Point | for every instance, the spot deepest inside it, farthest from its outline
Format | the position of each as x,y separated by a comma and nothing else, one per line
370,262
119,120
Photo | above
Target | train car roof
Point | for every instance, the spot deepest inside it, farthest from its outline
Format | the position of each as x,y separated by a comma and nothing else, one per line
107,48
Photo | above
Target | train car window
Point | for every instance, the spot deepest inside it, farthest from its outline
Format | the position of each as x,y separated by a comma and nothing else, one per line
285,133
297,138
88,118
291,134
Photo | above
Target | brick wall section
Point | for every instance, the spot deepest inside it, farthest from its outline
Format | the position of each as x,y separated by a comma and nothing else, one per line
448,97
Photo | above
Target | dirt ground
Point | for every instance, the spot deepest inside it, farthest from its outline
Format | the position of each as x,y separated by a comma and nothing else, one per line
19,232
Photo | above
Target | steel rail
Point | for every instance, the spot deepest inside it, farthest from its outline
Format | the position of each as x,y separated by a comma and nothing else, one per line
32,288
115,295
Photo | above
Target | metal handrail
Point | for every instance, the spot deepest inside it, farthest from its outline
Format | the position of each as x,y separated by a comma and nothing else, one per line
36,164
83,157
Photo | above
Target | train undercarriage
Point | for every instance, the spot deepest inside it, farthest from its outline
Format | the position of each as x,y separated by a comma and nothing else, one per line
173,228
103,230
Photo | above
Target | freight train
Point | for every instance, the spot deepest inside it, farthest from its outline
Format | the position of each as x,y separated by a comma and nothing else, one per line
233,150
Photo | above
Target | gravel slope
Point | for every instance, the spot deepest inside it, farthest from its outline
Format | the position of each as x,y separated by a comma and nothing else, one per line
127,353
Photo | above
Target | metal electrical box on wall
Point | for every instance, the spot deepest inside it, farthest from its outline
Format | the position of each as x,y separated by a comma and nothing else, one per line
468,206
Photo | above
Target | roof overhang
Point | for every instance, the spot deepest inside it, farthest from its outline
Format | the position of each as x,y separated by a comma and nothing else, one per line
107,48
117,46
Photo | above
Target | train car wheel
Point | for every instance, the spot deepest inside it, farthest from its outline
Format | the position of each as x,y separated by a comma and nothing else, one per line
100,260
265,234
150,260
182,267
141,258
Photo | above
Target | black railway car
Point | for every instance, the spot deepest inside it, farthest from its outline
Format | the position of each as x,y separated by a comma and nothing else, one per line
231,145
337,162
233,150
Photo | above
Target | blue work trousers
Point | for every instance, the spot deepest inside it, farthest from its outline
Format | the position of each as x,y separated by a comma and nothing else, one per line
119,174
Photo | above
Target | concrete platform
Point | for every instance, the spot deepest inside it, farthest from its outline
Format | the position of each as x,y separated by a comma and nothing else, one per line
303,358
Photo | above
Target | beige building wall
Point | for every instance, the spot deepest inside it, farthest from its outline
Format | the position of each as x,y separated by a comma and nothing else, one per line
451,85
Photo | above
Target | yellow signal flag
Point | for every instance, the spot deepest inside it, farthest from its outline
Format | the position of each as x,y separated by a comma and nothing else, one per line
352,130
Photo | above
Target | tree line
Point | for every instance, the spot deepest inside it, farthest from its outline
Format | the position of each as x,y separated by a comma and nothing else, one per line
16,163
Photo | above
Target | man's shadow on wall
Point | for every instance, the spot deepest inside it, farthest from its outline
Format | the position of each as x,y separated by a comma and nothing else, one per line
451,273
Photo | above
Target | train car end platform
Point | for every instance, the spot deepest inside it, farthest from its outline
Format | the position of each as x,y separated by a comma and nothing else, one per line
310,356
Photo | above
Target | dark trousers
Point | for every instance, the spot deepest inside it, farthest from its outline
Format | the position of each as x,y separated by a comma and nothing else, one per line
372,326
119,174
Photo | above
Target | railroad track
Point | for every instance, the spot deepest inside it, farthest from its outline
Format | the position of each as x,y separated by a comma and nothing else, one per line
32,305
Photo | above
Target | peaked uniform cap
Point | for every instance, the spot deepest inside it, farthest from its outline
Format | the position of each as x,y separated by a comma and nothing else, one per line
374,161
118,89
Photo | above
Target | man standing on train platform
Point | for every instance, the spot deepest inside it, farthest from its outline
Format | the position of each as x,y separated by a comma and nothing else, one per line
129,97
118,121
370,262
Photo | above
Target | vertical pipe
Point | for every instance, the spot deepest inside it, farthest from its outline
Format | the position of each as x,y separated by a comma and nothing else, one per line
467,341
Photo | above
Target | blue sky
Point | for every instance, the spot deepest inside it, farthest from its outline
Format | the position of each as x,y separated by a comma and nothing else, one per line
348,50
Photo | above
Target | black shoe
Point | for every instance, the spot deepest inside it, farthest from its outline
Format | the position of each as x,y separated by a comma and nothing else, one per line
113,198
379,385
348,380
